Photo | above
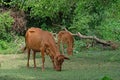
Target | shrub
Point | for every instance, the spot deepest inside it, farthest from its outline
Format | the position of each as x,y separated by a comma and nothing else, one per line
106,78
13,47
5,26
3,45
79,45
40,12
98,17
110,26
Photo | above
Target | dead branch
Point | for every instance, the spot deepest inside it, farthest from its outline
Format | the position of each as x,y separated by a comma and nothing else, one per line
94,38
99,41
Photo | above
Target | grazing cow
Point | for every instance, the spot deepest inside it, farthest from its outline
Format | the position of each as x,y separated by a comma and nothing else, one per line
38,40
65,37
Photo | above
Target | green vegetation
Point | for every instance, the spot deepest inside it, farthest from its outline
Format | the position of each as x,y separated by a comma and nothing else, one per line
98,17
5,26
85,65
5,30
13,46
90,17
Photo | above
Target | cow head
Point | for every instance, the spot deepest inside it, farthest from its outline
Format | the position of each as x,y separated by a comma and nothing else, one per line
58,60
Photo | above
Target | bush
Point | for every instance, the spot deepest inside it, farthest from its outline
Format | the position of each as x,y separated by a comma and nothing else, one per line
40,12
3,45
106,78
12,47
98,17
110,26
5,26
79,45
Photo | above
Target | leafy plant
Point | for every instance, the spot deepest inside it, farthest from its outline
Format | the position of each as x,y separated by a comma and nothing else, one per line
3,45
41,12
109,28
5,26
97,17
15,46
106,78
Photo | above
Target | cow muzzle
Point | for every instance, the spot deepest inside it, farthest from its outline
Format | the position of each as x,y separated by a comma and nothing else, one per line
58,69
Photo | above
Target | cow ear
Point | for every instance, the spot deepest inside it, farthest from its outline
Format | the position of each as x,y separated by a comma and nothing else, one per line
66,58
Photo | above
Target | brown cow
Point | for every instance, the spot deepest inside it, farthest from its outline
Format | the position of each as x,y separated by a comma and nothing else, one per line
65,37
38,40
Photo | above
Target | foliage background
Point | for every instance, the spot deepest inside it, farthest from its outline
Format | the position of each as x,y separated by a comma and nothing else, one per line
99,18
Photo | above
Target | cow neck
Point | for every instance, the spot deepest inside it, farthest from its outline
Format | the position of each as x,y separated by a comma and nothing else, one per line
54,50
70,45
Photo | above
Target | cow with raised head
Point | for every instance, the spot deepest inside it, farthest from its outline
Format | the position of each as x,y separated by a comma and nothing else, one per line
65,37
38,40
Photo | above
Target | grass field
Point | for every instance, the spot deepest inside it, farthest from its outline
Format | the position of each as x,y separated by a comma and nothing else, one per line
85,65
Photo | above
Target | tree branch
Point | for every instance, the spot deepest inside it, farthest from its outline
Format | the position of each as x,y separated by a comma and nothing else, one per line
99,41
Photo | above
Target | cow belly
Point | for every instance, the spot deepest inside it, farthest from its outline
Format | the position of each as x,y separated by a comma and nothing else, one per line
35,48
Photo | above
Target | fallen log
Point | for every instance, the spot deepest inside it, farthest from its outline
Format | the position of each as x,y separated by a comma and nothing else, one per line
95,39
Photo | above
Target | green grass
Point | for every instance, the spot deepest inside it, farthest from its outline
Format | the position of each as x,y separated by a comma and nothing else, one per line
85,65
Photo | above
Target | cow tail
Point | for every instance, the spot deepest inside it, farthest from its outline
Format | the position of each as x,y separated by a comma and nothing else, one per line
24,48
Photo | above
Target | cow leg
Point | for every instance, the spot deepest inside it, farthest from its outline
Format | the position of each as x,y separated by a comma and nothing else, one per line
52,58
28,57
69,51
43,59
58,44
69,48
62,48
34,55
